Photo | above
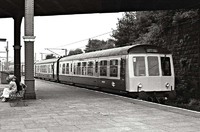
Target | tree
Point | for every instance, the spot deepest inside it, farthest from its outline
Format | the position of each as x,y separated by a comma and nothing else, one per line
110,43
50,56
147,26
95,45
126,27
75,52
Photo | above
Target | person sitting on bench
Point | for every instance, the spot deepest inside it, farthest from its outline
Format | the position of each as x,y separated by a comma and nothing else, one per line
9,90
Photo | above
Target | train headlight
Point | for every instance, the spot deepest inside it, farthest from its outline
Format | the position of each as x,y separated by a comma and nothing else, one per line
167,85
139,86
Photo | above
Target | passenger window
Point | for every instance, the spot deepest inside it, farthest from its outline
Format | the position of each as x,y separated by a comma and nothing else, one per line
60,69
165,64
103,68
55,70
84,68
52,68
153,66
139,66
96,66
79,68
44,68
90,68
48,69
113,68
71,67
75,71
67,68
63,69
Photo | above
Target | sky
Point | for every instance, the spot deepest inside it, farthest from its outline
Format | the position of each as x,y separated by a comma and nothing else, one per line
63,32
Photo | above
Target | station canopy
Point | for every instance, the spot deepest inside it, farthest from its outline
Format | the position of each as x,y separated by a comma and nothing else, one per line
15,8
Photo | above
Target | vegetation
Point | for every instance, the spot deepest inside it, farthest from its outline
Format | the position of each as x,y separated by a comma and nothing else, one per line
75,52
50,56
147,26
95,44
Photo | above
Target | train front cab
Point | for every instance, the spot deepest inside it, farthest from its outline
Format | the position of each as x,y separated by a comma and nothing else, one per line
151,73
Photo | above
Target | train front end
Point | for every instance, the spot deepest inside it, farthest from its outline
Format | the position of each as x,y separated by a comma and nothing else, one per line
150,72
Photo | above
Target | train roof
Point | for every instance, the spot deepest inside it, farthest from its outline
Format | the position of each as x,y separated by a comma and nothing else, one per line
137,48
47,61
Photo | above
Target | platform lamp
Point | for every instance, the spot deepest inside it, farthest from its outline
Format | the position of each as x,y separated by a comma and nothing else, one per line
5,40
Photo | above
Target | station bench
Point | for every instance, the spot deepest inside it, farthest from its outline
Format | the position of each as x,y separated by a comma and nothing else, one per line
17,99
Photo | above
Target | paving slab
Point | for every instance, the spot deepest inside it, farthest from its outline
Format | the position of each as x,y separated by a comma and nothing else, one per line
64,108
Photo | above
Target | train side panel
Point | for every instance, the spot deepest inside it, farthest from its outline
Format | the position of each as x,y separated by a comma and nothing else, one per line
45,71
112,80
104,72
77,72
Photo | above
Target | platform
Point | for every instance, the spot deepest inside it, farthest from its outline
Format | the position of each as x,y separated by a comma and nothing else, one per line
64,108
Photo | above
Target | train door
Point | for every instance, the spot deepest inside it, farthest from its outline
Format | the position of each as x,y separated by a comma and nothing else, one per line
167,73
52,67
96,68
69,72
160,73
96,72
136,73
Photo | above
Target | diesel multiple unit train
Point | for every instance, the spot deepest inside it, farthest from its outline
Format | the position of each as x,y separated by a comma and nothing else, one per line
133,69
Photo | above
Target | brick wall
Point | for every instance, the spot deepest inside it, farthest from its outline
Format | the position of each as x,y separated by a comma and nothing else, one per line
183,41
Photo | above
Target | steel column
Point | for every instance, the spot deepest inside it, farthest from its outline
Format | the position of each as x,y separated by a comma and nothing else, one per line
29,49
17,47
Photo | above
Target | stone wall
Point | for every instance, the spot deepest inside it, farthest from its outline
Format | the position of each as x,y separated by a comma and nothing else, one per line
183,41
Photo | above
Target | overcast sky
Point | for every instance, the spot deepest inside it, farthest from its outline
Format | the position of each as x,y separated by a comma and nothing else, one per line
60,31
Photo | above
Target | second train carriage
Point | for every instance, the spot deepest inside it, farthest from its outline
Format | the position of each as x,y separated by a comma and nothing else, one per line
132,69
46,69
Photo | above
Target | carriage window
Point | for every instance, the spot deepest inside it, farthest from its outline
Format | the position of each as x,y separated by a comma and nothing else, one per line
96,66
166,68
71,67
75,72
60,69
63,69
84,68
113,68
67,68
103,68
153,66
90,68
48,69
139,66
55,70
52,68
43,68
38,69
79,68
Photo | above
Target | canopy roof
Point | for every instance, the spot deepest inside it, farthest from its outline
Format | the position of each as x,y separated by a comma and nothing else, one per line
15,8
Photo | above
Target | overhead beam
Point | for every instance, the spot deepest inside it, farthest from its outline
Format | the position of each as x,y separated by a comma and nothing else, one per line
3,40
11,8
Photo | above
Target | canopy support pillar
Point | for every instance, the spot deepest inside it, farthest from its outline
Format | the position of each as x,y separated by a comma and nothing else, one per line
29,39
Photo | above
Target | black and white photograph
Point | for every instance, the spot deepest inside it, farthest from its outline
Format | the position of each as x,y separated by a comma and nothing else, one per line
99,66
